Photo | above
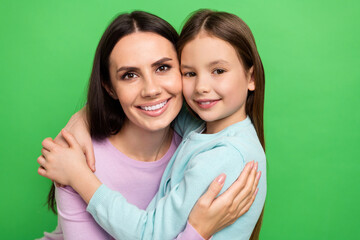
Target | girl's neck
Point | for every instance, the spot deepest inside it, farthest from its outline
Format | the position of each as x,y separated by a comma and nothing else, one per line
220,124
140,144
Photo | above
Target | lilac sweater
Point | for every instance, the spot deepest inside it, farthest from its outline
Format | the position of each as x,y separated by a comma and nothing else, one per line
137,181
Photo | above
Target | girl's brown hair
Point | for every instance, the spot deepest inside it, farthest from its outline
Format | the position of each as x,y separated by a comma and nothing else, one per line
235,31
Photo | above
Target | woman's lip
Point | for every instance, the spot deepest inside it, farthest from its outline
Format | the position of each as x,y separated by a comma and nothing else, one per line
157,112
153,103
206,103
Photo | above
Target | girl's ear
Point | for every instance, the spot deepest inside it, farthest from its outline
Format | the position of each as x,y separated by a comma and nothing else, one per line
251,79
110,91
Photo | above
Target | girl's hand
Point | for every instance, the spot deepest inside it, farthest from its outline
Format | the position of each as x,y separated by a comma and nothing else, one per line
211,214
79,128
62,164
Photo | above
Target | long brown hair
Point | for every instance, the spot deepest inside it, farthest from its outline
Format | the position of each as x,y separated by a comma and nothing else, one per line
235,31
104,114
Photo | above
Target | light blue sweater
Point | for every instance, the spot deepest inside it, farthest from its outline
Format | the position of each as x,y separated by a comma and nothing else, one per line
199,159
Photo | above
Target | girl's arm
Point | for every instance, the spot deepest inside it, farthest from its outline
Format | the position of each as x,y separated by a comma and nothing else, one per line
111,210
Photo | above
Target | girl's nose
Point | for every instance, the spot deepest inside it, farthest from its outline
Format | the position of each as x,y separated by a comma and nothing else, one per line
202,85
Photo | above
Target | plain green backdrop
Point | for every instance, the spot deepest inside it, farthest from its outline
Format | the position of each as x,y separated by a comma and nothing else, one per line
310,51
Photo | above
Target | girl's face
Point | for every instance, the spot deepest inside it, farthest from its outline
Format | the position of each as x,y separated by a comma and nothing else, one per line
145,77
215,83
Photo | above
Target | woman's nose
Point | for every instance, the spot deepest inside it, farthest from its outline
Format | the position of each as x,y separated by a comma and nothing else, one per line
151,87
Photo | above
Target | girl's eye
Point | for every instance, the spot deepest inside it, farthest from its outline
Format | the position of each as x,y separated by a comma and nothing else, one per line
218,71
163,68
128,75
189,74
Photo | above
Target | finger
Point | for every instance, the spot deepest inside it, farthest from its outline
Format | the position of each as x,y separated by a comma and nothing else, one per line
214,189
59,140
42,171
256,182
42,161
44,152
69,138
243,198
48,144
244,209
240,183
90,157
249,189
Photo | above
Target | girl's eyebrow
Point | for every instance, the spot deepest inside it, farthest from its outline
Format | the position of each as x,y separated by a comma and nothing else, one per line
185,66
220,61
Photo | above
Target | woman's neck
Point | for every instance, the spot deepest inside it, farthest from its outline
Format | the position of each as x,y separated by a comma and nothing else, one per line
140,144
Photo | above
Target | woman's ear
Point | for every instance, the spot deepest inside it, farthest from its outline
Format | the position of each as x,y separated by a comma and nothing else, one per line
110,91
251,79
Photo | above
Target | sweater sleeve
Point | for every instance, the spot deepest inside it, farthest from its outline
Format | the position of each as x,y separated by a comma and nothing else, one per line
169,217
189,233
75,222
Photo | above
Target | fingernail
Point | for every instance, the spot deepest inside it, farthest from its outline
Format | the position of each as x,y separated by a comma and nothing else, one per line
252,164
258,176
256,191
221,179
256,166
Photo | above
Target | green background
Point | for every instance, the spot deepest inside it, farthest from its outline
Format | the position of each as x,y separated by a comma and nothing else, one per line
310,51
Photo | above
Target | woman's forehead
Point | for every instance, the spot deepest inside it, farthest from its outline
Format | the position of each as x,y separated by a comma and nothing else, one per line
142,47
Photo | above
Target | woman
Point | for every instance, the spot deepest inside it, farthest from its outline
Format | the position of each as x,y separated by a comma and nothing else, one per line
130,120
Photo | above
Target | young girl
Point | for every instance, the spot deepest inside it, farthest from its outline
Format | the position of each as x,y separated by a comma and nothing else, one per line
223,83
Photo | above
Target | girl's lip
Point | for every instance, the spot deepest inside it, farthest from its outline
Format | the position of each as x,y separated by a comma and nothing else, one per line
157,112
206,103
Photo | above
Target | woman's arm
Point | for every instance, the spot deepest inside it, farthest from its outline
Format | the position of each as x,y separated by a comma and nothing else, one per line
75,222
124,220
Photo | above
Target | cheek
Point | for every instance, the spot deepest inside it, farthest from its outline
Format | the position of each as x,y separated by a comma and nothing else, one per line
126,95
173,84
188,88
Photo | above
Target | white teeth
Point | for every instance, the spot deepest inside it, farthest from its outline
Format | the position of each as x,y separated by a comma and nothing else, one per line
154,107
204,103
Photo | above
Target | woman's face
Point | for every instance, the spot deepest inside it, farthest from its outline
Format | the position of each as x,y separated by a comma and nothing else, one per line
145,78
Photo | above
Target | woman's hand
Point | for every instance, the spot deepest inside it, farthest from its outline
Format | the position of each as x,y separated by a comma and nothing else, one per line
211,214
79,128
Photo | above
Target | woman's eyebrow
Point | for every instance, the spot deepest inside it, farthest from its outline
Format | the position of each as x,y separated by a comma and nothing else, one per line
161,61
125,68
157,63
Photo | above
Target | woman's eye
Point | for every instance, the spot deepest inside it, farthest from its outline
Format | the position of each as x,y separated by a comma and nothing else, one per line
189,74
163,68
128,75
218,71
